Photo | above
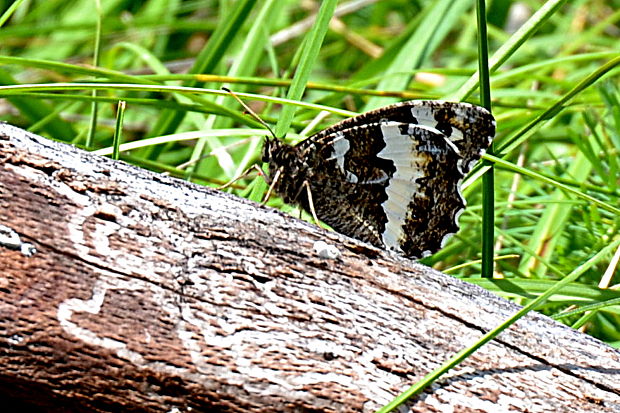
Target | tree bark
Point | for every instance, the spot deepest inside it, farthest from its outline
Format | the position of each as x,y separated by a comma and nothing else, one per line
125,290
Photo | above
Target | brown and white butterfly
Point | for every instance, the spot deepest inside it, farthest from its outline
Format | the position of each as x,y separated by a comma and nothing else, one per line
391,176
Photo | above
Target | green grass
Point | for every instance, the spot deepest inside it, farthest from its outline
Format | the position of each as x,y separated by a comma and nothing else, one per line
553,86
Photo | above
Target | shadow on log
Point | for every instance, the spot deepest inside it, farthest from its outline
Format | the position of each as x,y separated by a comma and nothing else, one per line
125,290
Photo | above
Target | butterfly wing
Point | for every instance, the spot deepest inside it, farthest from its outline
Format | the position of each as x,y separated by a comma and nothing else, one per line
390,176
471,128
392,184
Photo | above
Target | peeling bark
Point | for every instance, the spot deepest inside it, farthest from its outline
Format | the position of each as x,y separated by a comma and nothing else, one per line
125,290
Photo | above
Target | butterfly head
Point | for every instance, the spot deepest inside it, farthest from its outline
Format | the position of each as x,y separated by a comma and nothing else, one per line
270,148
278,153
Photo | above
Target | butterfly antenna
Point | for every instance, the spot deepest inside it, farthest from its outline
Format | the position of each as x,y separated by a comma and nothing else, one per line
253,167
212,153
250,111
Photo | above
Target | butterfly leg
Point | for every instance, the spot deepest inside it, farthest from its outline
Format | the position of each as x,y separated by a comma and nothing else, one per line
241,176
311,203
276,176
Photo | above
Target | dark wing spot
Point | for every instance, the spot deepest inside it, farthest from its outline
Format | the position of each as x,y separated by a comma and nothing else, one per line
444,128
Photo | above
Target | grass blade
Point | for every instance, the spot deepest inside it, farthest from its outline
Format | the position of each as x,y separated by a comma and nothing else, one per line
90,137
553,220
441,17
9,12
546,179
459,357
488,180
519,136
512,45
245,64
208,59
312,45
118,129
34,110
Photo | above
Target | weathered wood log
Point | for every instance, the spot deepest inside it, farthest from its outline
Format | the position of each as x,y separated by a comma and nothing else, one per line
125,290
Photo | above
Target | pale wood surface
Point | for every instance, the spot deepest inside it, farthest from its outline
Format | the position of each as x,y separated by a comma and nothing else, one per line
147,293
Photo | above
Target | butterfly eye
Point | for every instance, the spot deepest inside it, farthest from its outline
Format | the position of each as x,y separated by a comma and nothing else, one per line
269,148
265,156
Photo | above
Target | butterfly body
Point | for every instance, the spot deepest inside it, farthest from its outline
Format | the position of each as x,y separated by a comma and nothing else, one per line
389,177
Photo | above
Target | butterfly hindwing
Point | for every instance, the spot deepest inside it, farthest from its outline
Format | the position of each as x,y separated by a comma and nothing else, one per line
399,192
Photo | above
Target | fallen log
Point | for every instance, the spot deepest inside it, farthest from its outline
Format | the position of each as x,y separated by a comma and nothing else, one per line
125,290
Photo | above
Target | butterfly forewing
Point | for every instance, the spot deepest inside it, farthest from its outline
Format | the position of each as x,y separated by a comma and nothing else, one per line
389,177
471,128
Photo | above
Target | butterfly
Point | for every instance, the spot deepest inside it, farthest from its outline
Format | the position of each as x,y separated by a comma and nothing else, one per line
390,177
